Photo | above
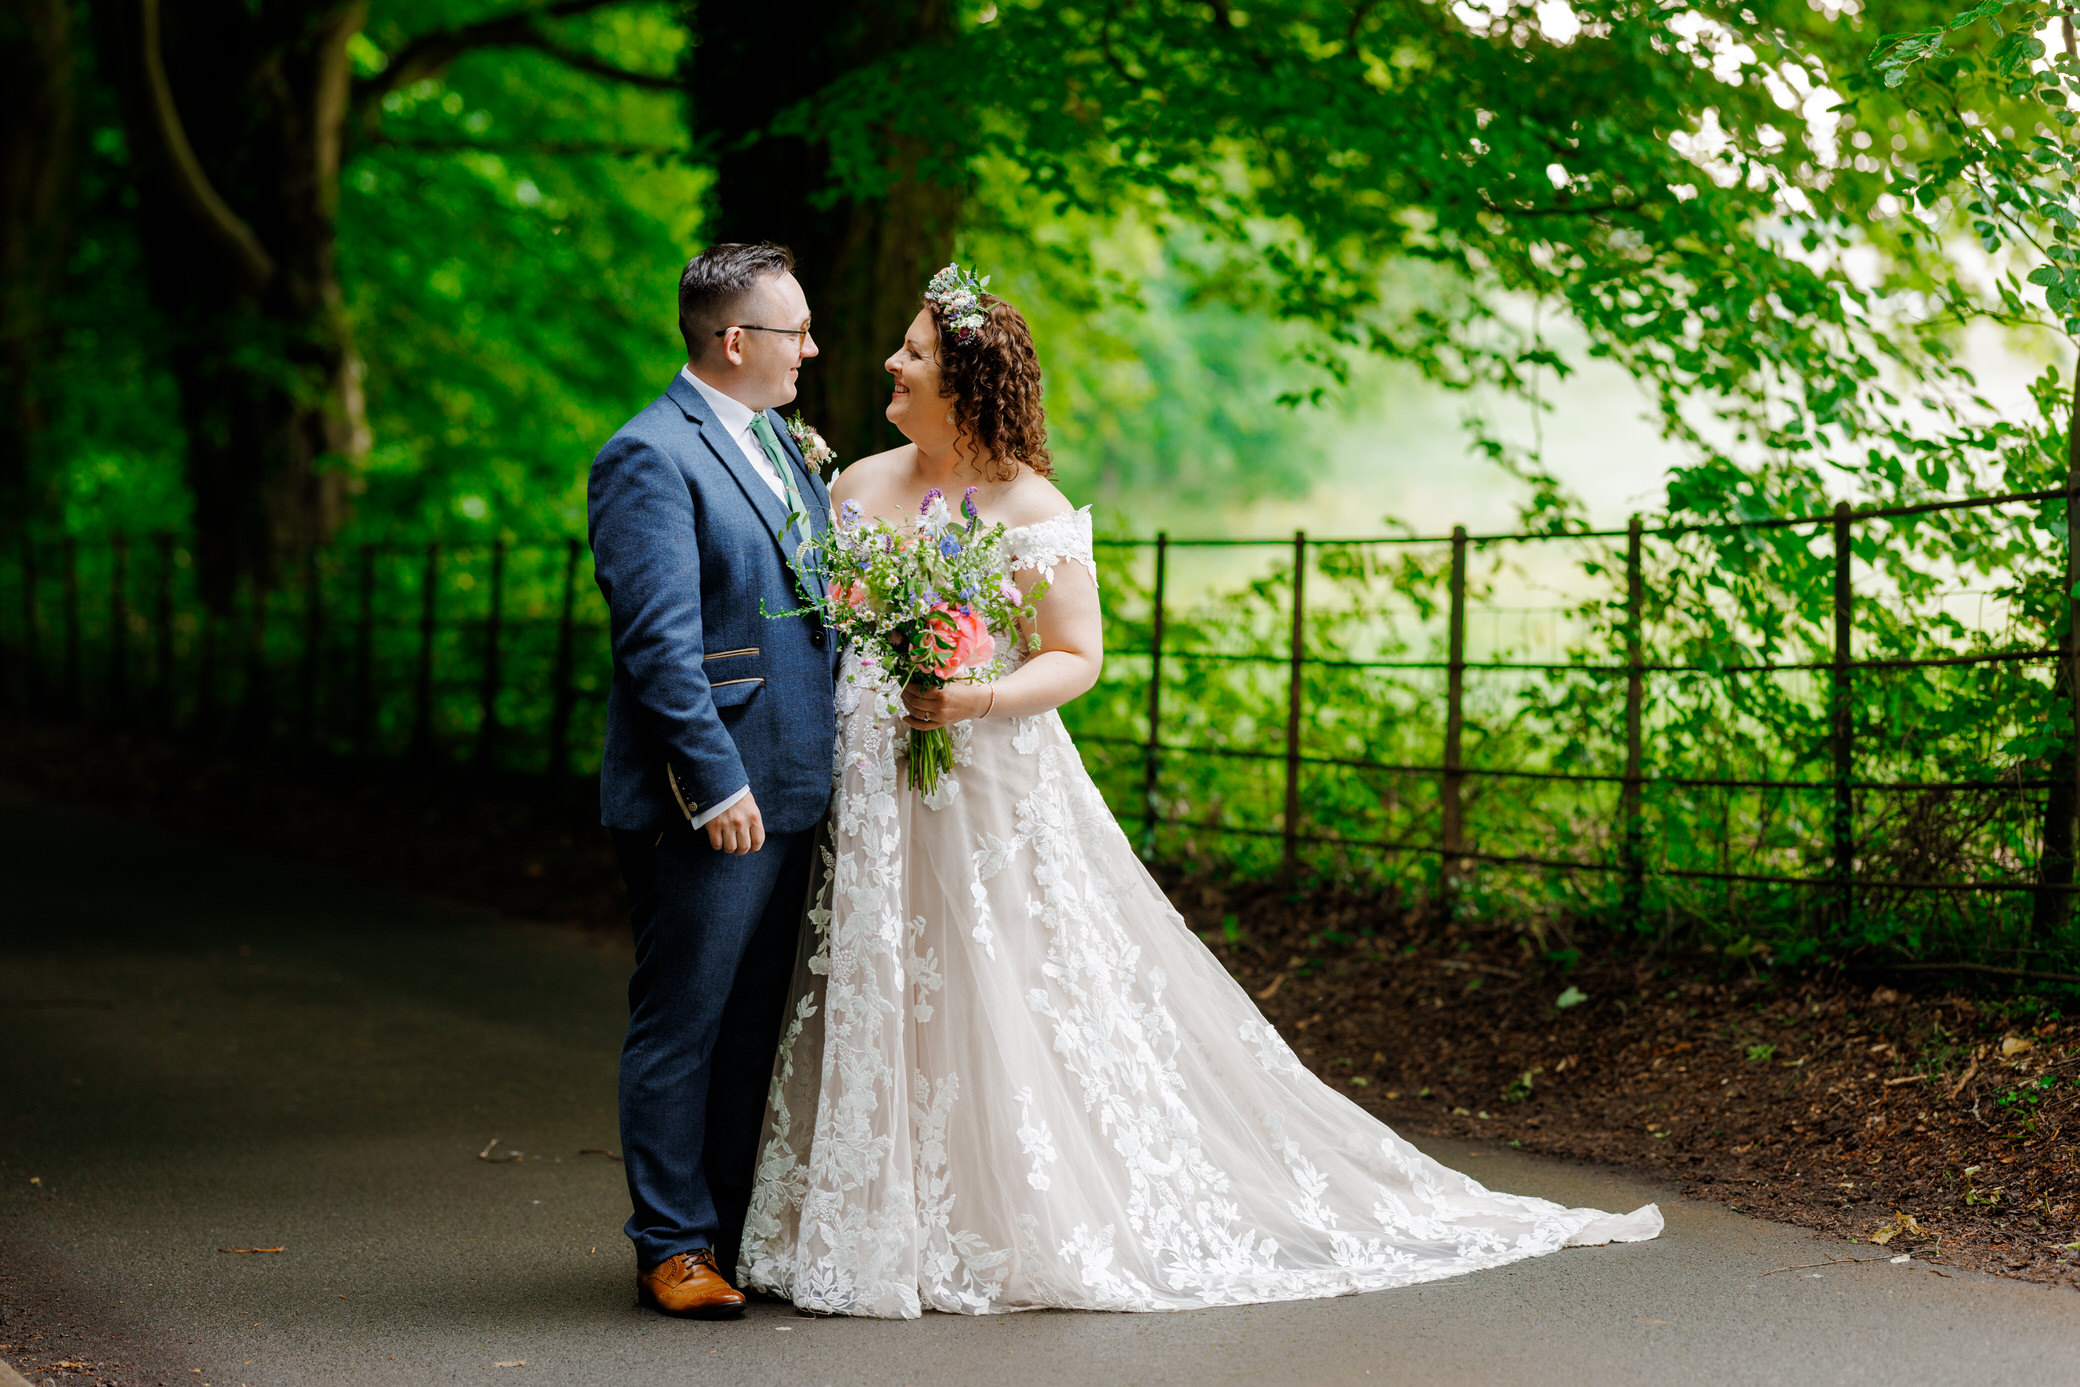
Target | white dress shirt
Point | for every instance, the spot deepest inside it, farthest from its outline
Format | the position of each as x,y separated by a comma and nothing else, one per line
735,417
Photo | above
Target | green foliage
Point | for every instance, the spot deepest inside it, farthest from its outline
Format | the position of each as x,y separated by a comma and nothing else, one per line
511,242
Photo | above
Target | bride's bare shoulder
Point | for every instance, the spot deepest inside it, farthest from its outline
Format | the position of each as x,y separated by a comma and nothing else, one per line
1031,499
859,480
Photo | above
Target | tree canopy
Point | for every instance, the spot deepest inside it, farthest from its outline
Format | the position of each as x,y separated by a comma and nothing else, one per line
278,268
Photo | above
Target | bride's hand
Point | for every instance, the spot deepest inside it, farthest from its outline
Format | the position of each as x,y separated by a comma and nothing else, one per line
924,708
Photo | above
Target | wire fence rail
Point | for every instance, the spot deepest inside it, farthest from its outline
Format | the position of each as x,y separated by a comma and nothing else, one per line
1452,772
494,653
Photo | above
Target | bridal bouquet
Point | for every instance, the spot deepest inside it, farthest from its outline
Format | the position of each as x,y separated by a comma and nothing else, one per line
920,601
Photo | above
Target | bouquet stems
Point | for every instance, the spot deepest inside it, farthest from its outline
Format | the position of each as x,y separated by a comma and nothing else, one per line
931,756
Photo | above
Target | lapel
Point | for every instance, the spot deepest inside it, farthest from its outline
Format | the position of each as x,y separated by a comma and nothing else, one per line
772,514
805,478
815,500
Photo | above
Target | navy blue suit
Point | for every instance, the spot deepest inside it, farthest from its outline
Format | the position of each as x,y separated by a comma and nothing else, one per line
713,695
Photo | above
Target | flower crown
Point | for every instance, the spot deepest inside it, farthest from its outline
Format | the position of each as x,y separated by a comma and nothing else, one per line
958,294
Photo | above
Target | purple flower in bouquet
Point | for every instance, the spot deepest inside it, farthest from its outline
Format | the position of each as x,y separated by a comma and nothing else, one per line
919,600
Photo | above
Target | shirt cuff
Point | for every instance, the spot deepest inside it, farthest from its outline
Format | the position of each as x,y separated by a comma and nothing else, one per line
700,820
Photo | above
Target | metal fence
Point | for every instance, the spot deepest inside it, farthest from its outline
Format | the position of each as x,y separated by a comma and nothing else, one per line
492,653
1452,772
495,653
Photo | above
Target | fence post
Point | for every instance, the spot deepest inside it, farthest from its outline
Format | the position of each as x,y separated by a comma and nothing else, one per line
257,710
558,761
119,624
365,655
1635,707
70,597
422,716
206,670
313,639
1295,693
1844,721
1152,761
2055,860
164,624
487,722
1451,813
32,629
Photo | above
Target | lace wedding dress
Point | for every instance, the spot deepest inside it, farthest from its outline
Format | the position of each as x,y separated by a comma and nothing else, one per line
1012,1077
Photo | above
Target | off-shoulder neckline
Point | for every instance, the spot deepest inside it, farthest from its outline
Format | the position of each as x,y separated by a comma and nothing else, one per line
1070,513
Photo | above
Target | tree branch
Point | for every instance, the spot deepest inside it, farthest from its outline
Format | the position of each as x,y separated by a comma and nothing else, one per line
595,66
610,148
430,54
190,180
1585,209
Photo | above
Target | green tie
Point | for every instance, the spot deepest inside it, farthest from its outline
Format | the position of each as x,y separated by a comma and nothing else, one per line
797,513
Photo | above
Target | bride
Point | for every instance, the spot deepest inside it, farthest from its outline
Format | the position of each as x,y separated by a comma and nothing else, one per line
1011,1076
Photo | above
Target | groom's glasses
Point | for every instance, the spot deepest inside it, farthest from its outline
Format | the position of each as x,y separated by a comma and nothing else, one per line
799,334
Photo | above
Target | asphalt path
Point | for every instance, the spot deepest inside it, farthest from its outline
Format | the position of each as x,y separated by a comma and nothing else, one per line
206,1050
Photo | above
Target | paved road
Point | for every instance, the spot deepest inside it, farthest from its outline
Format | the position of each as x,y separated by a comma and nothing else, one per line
204,1050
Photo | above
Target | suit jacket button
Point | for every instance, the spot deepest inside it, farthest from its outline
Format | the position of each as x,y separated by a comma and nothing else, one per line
816,635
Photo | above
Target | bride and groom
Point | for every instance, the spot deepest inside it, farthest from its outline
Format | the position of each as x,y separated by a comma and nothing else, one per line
887,1051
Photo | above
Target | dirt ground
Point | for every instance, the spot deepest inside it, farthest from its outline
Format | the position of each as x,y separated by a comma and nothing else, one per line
1927,1121
1924,1121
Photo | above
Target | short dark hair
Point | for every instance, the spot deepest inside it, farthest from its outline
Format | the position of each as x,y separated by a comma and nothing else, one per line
716,281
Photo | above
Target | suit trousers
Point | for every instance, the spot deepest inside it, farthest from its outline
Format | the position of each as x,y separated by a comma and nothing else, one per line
715,939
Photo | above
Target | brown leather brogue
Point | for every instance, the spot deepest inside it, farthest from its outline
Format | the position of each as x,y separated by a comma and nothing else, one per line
689,1285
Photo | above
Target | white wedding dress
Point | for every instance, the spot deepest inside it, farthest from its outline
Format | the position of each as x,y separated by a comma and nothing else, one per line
1012,1077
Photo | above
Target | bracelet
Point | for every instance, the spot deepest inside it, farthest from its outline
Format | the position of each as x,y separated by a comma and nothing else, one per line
992,701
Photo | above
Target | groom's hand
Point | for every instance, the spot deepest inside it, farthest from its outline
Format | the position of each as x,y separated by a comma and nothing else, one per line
738,829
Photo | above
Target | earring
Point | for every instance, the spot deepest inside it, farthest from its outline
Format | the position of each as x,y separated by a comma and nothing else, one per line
949,416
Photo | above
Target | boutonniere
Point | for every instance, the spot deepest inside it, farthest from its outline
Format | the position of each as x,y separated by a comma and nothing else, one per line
817,453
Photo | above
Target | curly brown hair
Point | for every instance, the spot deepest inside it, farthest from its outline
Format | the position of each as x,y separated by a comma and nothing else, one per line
994,382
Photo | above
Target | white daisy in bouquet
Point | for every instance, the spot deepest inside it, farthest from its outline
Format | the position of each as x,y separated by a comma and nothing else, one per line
920,601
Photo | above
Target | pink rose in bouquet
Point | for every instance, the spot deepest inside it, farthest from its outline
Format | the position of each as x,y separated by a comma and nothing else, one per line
917,602
972,644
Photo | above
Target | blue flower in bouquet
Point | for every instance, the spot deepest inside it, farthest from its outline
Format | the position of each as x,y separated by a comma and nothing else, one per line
918,600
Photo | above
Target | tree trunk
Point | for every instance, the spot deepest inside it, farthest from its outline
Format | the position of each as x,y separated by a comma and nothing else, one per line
37,110
864,261
235,113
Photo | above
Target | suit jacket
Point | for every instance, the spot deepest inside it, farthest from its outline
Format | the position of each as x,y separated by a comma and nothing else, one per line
707,690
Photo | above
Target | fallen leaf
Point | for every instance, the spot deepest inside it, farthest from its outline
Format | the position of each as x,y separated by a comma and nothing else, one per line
599,1151
1901,1223
485,1154
1573,996
249,1249
2014,1045
511,1363
1266,994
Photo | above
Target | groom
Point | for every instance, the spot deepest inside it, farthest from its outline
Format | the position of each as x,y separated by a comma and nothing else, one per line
717,765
